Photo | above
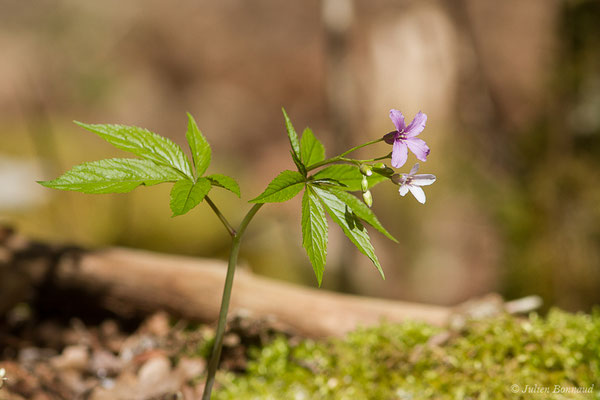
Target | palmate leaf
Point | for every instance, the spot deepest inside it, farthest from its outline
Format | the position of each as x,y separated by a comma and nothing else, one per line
353,230
186,195
284,187
225,182
145,144
115,175
311,150
292,135
314,232
361,210
349,175
199,146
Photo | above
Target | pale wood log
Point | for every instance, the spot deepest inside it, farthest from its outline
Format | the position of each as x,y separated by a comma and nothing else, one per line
130,282
191,288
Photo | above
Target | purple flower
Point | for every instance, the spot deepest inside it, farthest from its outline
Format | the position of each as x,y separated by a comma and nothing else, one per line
412,182
403,138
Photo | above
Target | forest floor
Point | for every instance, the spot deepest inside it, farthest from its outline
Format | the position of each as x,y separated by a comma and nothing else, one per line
96,359
100,357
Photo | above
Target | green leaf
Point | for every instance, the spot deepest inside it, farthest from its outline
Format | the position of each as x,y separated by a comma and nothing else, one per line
299,165
314,232
145,144
328,182
349,175
292,135
225,182
346,220
311,150
199,146
285,186
115,175
362,211
186,195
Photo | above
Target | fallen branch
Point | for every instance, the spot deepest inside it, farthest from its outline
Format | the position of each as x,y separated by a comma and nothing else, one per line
130,282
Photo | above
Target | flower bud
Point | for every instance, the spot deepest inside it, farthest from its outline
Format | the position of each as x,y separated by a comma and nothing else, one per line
366,170
368,198
383,169
364,184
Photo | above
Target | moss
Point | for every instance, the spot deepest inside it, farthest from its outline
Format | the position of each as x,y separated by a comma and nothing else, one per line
418,361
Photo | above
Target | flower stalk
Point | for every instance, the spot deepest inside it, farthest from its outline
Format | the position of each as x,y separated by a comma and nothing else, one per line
342,157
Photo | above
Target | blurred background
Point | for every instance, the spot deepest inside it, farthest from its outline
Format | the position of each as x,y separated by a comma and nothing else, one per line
511,88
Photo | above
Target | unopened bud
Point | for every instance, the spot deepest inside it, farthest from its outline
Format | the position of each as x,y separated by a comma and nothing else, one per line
368,198
366,170
383,169
364,184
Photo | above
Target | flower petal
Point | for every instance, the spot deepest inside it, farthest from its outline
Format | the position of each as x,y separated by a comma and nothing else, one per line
418,147
422,179
398,120
399,154
414,169
417,125
418,193
403,190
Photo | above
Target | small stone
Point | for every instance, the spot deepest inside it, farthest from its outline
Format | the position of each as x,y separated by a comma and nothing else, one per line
73,380
155,379
72,357
104,364
28,356
231,340
136,345
157,325
109,328
124,388
189,368
155,370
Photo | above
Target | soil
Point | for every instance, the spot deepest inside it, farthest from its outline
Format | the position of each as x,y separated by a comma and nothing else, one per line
99,357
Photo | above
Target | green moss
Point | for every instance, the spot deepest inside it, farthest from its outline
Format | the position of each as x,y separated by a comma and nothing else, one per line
404,362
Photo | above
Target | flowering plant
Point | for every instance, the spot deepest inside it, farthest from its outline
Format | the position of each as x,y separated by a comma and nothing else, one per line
327,184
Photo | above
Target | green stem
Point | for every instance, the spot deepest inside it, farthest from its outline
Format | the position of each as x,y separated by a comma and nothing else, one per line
226,223
341,156
354,161
218,345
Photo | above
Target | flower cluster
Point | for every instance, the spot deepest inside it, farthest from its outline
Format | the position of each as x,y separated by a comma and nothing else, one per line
402,139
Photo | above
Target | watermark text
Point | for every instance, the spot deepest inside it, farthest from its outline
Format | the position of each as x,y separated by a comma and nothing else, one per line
538,389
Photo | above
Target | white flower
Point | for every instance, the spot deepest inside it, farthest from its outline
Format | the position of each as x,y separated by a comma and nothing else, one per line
412,182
